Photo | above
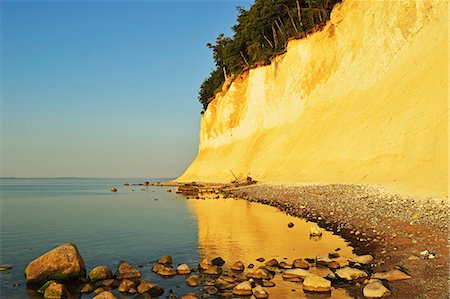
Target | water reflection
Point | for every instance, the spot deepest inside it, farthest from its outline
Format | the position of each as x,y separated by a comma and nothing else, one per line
241,230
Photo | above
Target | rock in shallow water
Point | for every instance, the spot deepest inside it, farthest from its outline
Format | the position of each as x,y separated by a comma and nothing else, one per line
125,285
62,263
376,289
292,273
315,283
165,260
183,269
149,288
105,295
238,266
55,291
348,273
100,272
194,280
391,275
259,292
300,263
362,259
125,270
243,289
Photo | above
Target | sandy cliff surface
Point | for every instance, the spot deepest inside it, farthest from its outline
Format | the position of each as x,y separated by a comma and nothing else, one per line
362,101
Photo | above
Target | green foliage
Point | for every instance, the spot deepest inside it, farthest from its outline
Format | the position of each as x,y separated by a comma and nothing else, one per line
261,33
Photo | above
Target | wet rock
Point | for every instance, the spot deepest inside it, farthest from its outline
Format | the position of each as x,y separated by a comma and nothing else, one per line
125,270
243,289
149,288
323,260
158,267
348,273
314,283
55,290
210,290
250,266
284,265
132,290
62,263
87,288
333,255
113,190
101,289
167,271
297,272
106,283
190,296
290,225
44,286
261,259
238,266
168,190
376,289
300,263
165,260
333,265
5,268
100,272
183,269
268,283
362,259
213,270
259,292
272,263
392,275
105,295
260,274
125,285
205,263
218,261
315,231
194,280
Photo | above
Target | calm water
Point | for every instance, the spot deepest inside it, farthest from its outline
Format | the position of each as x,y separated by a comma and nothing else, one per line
140,224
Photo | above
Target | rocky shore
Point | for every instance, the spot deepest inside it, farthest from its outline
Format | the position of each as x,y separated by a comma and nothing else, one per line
401,233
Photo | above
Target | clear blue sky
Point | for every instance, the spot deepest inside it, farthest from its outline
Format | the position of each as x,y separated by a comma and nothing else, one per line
105,88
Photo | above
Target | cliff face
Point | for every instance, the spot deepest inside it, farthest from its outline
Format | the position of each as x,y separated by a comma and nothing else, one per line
362,101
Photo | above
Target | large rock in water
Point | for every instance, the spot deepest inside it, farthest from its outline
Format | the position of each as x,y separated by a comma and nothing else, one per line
63,263
125,270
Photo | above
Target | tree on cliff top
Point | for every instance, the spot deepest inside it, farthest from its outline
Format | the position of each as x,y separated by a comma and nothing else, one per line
261,33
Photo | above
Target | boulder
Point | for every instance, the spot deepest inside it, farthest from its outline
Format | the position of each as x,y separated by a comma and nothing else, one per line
194,280
362,259
315,283
392,275
218,261
165,260
348,273
105,295
125,285
55,291
300,263
376,289
243,289
272,263
149,288
259,292
125,270
297,272
183,269
238,266
63,263
100,272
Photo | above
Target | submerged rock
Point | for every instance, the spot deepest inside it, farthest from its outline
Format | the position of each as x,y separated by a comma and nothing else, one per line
62,263
100,272
392,275
376,289
194,280
55,290
315,283
125,270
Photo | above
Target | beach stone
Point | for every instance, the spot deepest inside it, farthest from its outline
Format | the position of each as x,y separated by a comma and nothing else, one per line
100,272
392,275
260,274
323,260
113,190
106,283
333,265
183,269
297,272
101,289
194,280
132,290
125,270
259,292
125,285
190,296
314,283
300,263
211,290
348,273
218,261
290,225
158,267
62,263
333,255
284,265
205,263
165,260
362,259
238,266
272,263
105,295
315,231
213,270
261,259
149,288
167,271
44,286
243,289
376,289
268,283
55,290
87,288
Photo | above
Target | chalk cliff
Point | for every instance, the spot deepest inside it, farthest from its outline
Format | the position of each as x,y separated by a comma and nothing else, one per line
362,101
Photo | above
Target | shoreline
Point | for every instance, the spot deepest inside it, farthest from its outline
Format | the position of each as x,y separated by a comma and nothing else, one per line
395,230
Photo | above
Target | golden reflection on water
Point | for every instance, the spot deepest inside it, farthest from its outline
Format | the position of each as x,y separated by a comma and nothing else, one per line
241,230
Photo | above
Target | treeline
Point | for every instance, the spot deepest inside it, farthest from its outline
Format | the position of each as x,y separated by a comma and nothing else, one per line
261,33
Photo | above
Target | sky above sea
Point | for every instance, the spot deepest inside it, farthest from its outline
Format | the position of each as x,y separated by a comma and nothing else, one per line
105,88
